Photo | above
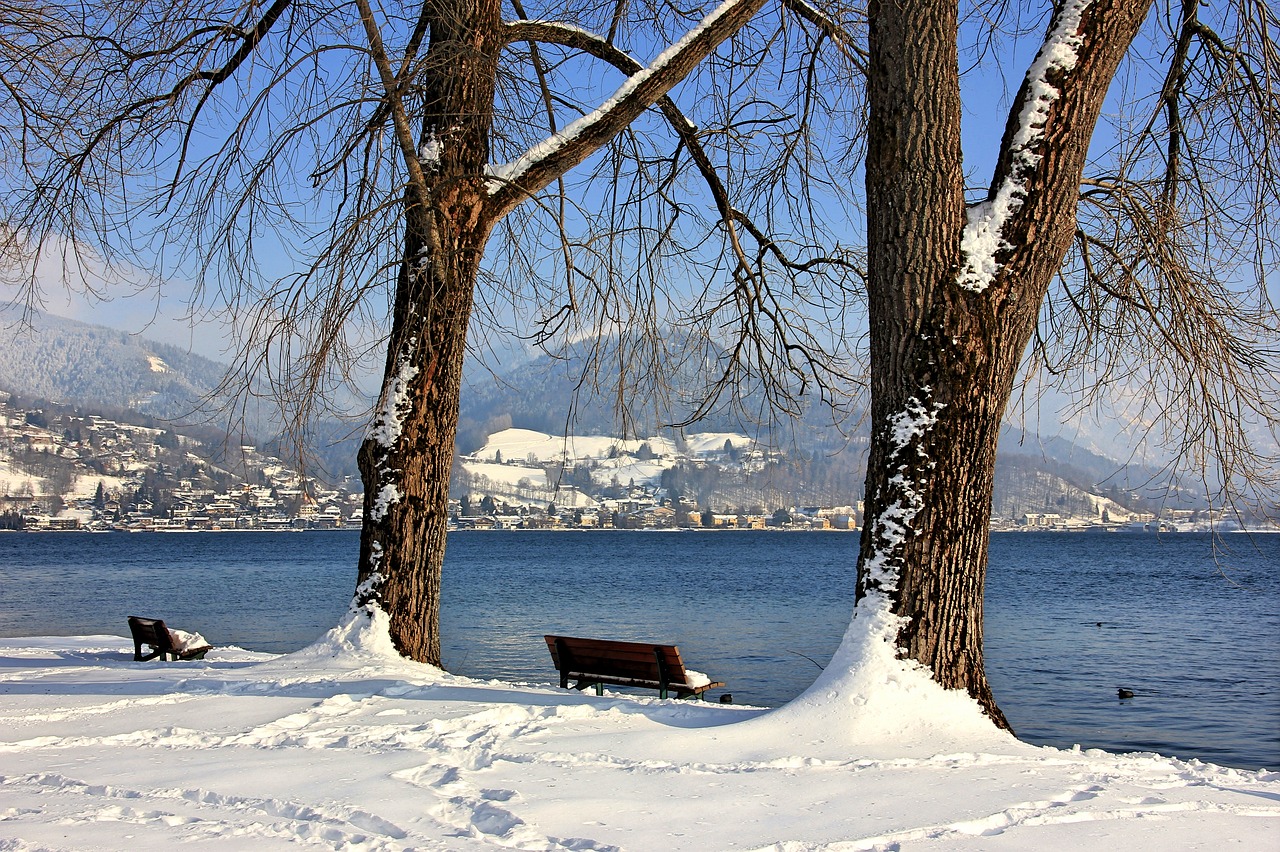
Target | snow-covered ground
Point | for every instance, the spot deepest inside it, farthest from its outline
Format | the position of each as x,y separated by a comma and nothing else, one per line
520,485
508,474
626,470
13,480
506,459
713,442
86,486
519,444
83,487
344,745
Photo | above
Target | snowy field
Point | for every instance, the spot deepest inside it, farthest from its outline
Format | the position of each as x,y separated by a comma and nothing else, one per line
508,474
83,487
344,745
519,444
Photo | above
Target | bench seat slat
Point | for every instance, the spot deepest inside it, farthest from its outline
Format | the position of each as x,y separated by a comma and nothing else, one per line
603,664
652,684
642,658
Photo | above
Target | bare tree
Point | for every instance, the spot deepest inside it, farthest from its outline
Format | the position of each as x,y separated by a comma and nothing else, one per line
360,146
958,290
1130,266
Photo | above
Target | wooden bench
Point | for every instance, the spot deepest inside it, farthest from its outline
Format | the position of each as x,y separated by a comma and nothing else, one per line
152,631
595,662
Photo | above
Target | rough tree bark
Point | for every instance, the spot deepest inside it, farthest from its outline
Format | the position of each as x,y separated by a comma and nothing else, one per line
948,331
406,457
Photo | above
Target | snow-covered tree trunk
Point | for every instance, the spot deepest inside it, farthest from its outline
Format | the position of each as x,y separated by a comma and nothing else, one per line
953,298
406,457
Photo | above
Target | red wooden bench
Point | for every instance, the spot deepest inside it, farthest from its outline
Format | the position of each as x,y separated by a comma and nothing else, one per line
595,662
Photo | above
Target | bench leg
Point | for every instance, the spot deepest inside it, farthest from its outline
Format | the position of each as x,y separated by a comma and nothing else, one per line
599,689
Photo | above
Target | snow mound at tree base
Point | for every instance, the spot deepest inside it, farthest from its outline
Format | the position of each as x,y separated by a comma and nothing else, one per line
361,639
869,702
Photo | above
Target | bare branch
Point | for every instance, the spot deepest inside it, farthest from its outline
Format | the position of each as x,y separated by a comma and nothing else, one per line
537,168
392,93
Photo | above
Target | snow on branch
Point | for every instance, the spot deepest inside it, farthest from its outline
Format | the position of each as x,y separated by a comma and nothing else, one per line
983,235
511,182
832,29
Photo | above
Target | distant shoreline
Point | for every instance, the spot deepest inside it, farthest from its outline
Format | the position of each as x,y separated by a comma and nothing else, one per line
499,530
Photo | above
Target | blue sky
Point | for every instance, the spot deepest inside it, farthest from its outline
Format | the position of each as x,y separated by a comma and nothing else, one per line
129,301
162,314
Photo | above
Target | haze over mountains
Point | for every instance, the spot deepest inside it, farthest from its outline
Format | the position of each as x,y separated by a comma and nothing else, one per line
62,360
75,363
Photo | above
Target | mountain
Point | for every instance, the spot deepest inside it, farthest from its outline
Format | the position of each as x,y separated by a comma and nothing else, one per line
64,467
812,460
576,392
62,360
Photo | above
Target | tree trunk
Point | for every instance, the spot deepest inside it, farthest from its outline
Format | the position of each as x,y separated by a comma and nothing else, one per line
405,463
406,458
945,350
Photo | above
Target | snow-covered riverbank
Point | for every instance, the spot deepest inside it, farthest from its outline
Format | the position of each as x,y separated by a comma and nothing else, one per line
344,745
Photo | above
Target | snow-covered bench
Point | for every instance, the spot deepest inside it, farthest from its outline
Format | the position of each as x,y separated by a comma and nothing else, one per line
595,662
153,632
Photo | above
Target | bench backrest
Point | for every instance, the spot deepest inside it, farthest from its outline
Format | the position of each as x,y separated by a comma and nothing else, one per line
635,660
151,631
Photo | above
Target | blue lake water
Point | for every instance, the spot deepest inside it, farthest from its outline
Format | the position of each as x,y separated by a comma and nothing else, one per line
1194,632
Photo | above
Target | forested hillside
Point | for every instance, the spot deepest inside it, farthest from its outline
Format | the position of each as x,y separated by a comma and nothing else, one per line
63,360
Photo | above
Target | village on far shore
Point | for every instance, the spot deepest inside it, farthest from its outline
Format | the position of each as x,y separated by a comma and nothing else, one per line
64,471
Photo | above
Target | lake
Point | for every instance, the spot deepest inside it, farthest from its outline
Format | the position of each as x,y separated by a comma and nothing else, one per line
1192,630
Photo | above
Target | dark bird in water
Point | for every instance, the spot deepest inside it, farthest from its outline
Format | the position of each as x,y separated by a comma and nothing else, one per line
1124,693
